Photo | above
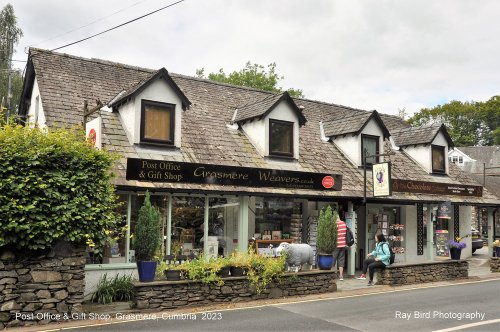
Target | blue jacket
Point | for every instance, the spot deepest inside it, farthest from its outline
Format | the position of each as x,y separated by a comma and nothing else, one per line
382,252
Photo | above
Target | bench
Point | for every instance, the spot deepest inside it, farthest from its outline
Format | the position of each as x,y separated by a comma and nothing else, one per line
416,273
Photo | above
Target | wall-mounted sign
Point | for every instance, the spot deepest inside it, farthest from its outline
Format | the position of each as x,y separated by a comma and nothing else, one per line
437,188
381,176
93,132
444,210
179,172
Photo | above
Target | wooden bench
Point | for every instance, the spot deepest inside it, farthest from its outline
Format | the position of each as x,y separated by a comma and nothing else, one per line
416,273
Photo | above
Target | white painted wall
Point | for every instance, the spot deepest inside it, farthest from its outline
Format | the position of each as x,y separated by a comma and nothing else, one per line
465,221
422,154
257,131
457,153
351,145
95,272
41,121
130,113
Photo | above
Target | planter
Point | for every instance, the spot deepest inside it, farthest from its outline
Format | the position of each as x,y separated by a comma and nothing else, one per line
497,251
237,271
146,271
224,272
173,275
325,262
455,253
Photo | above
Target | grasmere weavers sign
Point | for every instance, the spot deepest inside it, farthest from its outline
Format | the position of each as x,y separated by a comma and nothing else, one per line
179,172
438,188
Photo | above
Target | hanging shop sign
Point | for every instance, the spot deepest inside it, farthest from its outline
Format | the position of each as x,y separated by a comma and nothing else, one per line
180,172
381,176
437,188
93,132
444,210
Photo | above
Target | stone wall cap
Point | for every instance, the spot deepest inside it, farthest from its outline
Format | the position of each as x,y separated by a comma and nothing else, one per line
446,262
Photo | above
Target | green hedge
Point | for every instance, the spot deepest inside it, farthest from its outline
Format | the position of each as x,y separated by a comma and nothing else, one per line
53,186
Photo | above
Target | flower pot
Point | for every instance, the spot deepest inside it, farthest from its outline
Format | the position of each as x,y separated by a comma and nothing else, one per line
173,275
146,270
497,251
455,253
325,262
224,272
237,271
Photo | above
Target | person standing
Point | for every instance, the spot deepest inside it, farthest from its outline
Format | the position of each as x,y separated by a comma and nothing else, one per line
378,258
339,252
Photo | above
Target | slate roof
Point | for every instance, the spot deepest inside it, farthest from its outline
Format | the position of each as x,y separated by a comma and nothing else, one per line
66,81
419,135
262,107
489,155
483,154
351,123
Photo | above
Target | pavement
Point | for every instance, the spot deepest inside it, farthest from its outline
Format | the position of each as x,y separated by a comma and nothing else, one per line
349,287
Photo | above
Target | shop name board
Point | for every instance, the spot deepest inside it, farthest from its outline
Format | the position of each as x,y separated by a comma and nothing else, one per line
180,172
421,187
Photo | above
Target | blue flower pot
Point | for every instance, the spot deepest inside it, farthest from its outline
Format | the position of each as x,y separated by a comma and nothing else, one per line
455,253
497,251
146,271
325,262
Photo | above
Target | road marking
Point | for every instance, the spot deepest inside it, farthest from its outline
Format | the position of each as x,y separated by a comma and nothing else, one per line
466,326
274,304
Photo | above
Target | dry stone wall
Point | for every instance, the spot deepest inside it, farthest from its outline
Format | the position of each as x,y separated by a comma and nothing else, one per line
495,264
175,294
403,274
41,289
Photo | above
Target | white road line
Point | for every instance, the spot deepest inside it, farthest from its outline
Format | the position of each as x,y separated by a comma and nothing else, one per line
466,326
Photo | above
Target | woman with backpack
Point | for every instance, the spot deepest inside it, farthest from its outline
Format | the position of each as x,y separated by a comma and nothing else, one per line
378,258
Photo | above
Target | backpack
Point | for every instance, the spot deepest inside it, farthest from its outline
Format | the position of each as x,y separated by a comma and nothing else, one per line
349,237
391,252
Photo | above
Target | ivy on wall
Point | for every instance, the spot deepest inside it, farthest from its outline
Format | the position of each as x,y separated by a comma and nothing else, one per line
53,186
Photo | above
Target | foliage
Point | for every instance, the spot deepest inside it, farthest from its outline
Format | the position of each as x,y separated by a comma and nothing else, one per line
147,231
240,259
469,123
456,244
253,76
119,288
201,269
54,186
326,240
10,34
264,270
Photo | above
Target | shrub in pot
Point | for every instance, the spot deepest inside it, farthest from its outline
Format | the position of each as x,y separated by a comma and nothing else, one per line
147,240
239,263
326,238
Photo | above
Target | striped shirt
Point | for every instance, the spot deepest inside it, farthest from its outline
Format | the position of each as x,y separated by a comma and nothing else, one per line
341,232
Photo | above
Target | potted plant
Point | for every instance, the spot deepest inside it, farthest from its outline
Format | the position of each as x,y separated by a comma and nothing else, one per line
173,272
240,263
456,247
147,240
496,247
326,238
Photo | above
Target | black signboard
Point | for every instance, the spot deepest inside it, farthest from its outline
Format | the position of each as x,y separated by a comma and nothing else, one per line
444,210
179,172
437,188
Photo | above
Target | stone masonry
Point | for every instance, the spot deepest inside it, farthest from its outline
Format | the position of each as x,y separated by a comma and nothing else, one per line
495,264
41,289
404,274
175,294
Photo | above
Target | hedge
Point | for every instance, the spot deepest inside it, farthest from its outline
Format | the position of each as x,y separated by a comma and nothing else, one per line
53,186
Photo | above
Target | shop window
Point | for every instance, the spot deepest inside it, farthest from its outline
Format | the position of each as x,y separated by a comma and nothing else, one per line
157,122
280,138
438,159
371,144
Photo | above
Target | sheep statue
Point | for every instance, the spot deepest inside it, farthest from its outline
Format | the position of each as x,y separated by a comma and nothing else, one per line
298,254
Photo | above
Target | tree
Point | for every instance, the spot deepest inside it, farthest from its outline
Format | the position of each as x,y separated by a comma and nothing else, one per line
469,123
10,34
253,76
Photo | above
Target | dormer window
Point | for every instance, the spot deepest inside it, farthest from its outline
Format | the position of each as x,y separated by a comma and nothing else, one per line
280,138
158,122
438,159
371,144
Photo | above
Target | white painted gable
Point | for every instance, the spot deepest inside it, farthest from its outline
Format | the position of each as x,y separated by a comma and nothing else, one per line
35,111
422,154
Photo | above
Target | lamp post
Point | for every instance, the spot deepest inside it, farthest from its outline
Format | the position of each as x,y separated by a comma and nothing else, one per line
366,155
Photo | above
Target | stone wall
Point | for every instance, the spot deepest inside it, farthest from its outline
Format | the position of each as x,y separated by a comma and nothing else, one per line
37,290
495,264
403,274
175,294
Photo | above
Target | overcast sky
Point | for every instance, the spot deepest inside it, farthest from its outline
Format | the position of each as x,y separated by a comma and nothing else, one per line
368,54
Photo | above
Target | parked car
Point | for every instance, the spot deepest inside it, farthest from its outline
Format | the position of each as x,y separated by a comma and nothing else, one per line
477,241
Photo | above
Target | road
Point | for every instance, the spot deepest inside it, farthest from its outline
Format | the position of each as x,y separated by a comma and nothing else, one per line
422,309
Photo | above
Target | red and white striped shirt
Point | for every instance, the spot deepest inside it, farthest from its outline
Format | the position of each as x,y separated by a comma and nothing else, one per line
341,232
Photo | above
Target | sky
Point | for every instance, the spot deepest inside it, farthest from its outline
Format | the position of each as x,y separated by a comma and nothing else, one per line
386,55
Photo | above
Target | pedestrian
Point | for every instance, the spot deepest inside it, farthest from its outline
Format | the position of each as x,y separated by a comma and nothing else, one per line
378,258
339,252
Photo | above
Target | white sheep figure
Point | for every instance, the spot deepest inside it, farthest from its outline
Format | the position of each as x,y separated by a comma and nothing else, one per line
298,254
